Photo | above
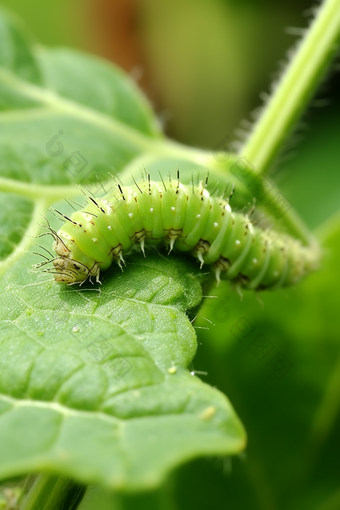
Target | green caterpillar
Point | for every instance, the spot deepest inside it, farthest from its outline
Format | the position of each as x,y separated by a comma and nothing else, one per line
186,218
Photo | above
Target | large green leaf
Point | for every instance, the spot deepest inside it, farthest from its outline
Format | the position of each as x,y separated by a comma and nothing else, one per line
94,385
97,111
94,382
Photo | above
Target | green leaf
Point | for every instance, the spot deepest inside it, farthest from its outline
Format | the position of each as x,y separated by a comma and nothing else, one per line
97,85
98,112
94,385
94,382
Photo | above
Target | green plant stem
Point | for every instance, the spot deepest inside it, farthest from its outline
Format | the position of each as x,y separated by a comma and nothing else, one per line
50,492
294,90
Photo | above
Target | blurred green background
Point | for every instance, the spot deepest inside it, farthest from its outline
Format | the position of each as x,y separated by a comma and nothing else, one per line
204,65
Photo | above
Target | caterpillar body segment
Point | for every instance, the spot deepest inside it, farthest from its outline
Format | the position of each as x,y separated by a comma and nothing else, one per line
185,218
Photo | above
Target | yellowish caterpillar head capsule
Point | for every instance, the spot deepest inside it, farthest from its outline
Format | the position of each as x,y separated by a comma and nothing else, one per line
69,270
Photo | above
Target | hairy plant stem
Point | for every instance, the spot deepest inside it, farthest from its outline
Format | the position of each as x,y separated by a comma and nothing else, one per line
296,87
289,99
50,492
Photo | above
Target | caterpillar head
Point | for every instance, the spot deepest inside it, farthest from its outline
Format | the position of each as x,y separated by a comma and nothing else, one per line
68,270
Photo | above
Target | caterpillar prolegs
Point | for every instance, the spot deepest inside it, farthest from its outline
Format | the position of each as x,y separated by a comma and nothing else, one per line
186,218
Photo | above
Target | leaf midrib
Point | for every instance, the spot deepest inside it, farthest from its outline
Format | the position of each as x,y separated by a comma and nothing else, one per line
63,105
69,411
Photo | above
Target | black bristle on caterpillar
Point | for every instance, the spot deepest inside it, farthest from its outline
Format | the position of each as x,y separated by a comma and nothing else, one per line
185,218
